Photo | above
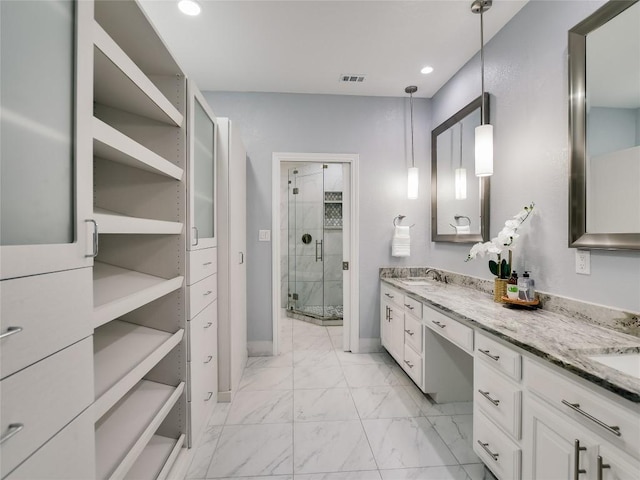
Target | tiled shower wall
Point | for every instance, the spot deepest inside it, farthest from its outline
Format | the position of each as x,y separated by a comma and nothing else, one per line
309,290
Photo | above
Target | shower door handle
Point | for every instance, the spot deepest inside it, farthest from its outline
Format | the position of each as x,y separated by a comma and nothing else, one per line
319,244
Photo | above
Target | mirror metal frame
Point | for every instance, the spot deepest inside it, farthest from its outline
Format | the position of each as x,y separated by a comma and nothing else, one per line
578,235
483,236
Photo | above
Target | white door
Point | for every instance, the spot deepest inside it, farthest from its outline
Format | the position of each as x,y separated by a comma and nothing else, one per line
202,171
46,148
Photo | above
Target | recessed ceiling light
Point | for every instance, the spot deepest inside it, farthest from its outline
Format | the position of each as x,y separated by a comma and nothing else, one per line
426,70
189,7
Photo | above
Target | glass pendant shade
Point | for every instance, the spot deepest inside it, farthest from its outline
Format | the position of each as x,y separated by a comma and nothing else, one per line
484,150
412,183
461,183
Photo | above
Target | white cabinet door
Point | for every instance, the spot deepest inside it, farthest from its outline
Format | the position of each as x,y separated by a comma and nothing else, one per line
554,447
615,465
202,172
46,148
385,324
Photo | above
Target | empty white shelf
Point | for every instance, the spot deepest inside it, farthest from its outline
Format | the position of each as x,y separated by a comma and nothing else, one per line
117,291
123,353
111,144
155,462
124,432
119,83
113,222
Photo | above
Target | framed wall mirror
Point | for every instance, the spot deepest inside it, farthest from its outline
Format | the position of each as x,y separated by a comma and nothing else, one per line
459,199
604,128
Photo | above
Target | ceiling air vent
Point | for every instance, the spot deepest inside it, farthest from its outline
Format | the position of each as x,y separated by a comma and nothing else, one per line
352,78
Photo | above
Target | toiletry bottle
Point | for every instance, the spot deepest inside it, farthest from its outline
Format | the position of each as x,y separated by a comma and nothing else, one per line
523,287
512,286
531,292
514,278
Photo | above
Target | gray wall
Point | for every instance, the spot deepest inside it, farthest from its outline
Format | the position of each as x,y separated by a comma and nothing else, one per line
377,129
526,74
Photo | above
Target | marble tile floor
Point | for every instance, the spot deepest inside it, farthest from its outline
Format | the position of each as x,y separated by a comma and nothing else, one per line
318,413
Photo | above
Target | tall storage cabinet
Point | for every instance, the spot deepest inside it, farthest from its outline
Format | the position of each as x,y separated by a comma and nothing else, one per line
202,279
46,375
232,267
139,195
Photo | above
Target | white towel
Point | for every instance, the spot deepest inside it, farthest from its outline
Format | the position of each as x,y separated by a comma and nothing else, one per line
401,243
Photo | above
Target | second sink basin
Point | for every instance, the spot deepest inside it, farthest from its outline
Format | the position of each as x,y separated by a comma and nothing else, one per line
627,363
416,282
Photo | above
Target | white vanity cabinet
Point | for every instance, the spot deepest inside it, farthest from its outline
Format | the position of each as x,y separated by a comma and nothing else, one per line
497,407
571,431
392,322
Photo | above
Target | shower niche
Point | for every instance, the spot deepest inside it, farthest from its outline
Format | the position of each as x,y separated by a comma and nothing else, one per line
314,233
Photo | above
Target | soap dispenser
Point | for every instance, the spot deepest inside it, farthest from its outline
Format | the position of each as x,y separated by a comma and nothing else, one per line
523,287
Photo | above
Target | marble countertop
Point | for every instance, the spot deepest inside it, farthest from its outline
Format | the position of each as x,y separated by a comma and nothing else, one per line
559,339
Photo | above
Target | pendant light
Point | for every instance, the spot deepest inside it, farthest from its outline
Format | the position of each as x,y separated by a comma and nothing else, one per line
460,174
484,132
412,177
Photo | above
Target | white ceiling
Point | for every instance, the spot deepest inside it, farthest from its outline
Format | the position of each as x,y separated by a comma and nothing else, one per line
300,46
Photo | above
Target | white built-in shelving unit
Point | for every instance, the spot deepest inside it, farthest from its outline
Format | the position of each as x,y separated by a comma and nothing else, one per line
139,195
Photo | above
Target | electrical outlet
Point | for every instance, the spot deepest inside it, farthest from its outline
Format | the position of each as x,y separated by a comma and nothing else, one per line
583,262
264,235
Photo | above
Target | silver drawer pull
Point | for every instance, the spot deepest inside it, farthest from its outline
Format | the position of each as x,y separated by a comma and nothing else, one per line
438,324
486,395
208,324
11,331
209,358
409,332
408,306
206,264
408,363
601,466
488,354
13,429
209,397
576,408
485,447
389,295
577,471
208,292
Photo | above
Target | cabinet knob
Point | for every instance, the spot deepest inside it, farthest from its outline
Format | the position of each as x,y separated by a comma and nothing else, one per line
488,397
488,354
438,324
409,364
485,447
409,332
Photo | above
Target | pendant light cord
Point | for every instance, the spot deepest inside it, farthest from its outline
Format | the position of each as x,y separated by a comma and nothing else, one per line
482,62
413,160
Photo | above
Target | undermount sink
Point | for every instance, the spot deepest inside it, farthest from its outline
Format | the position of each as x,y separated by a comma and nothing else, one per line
627,363
416,282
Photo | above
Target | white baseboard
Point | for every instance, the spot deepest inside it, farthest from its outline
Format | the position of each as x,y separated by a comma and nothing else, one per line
370,345
260,349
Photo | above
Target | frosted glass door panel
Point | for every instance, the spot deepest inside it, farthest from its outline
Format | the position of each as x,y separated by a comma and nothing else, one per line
37,122
203,169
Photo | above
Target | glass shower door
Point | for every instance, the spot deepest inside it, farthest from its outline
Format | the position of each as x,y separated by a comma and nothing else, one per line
306,239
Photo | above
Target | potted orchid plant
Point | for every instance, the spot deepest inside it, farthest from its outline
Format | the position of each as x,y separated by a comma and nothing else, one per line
501,245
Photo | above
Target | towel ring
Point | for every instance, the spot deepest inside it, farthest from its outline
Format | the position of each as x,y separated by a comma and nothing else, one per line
399,218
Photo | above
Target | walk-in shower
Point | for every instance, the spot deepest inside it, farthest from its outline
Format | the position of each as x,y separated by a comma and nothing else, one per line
314,256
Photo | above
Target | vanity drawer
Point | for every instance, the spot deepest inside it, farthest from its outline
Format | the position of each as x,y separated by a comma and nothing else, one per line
501,455
70,455
499,356
392,295
202,294
43,398
451,329
412,306
412,364
560,391
499,398
53,311
413,333
202,263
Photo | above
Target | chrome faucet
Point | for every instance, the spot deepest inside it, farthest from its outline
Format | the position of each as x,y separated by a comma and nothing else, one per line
437,276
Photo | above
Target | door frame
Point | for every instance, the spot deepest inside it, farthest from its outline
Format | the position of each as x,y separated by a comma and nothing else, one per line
351,279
